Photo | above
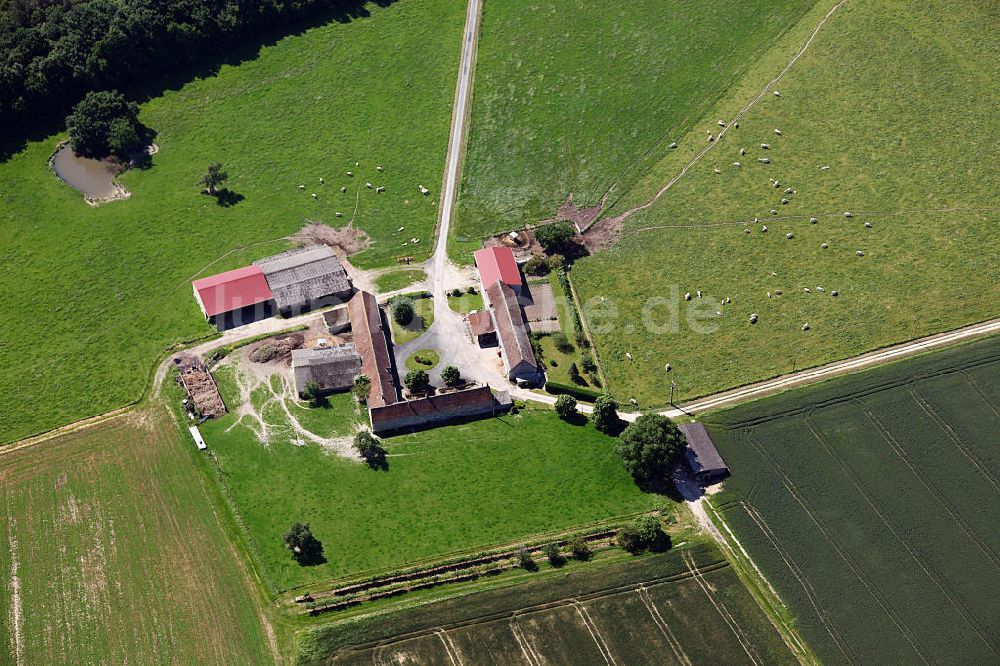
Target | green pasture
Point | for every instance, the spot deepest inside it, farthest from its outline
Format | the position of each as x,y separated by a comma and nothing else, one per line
457,488
429,358
396,280
92,295
899,123
466,302
580,98
869,502
112,552
561,617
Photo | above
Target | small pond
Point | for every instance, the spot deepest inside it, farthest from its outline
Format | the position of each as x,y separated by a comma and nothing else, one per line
94,178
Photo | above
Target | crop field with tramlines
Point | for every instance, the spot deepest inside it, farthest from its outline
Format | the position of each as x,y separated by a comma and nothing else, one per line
682,607
872,503
877,186
111,552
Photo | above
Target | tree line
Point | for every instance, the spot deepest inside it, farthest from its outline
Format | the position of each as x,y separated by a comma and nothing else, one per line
52,52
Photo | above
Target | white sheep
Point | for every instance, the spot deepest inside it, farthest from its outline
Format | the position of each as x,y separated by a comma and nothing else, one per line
777,94
302,187
813,220
753,318
823,246
737,165
698,293
824,168
368,185
378,168
868,225
314,196
784,202
743,151
400,229
722,124
765,146
848,214
789,235
339,214
380,189
860,253
628,356
805,327
633,401
763,160
343,189
777,131
673,145
763,229
321,181
424,190
350,173
687,296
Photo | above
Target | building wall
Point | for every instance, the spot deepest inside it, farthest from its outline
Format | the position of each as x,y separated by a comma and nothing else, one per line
382,421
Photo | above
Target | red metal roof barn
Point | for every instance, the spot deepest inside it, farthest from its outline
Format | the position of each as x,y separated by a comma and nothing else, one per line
231,290
498,263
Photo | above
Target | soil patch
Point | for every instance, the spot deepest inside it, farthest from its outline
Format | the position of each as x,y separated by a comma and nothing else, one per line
277,349
604,233
200,387
345,241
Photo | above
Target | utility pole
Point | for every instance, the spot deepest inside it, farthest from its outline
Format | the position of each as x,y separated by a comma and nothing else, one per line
673,387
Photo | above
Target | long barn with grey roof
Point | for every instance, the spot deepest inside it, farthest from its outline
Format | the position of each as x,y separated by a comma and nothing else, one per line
305,279
703,458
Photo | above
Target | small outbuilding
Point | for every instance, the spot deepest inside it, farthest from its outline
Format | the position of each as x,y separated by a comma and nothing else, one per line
481,324
702,457
333,368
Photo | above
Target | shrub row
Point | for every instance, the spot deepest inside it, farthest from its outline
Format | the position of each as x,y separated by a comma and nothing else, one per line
578,392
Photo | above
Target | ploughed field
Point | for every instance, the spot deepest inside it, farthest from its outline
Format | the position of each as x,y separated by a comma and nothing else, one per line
111,551
872,504
891,132
92,295
681,607
456,489
582,98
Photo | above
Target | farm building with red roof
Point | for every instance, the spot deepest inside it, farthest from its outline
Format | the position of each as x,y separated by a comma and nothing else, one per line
498,263
234,297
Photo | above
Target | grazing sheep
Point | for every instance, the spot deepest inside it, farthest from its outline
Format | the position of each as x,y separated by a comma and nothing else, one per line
368,185
424,190
633,401
860,253
746,230
350,173
722,124
820,289
763,160
824,168
789,235
338,214
628,356
778,292
687,296
769,294
673,145
302,187
357,164
321,181
835,293
777,94
753,318
737,165
774,211
868,225
784,202
667,367
765,146
763,229
777,131
711,137
805,327
716,171
378,168
736,125
343,189
848,214
743,151
789,190
380,189
806,290
773,274
813,220
400,229
824,245
698,293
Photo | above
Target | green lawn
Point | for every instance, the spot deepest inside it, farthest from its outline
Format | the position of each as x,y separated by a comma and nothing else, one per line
428,359
112,552
92,295
396,280
423,317
466,302
899,125
575,97
450,489
870,503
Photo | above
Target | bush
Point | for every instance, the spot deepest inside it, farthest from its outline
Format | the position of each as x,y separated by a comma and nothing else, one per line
536,266
417,381
555,237
566,407
563,344
580,549
525,560
362,388
402,310
551,551
557,262
451,375
650,447
587,363
605,416
644,533
306,549
554,363
370,450
105,123
574,374
472,291
313,393
456,292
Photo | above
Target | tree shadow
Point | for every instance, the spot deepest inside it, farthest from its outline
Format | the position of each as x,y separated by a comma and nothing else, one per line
312,559
227,198
207,57
377,459
577,419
